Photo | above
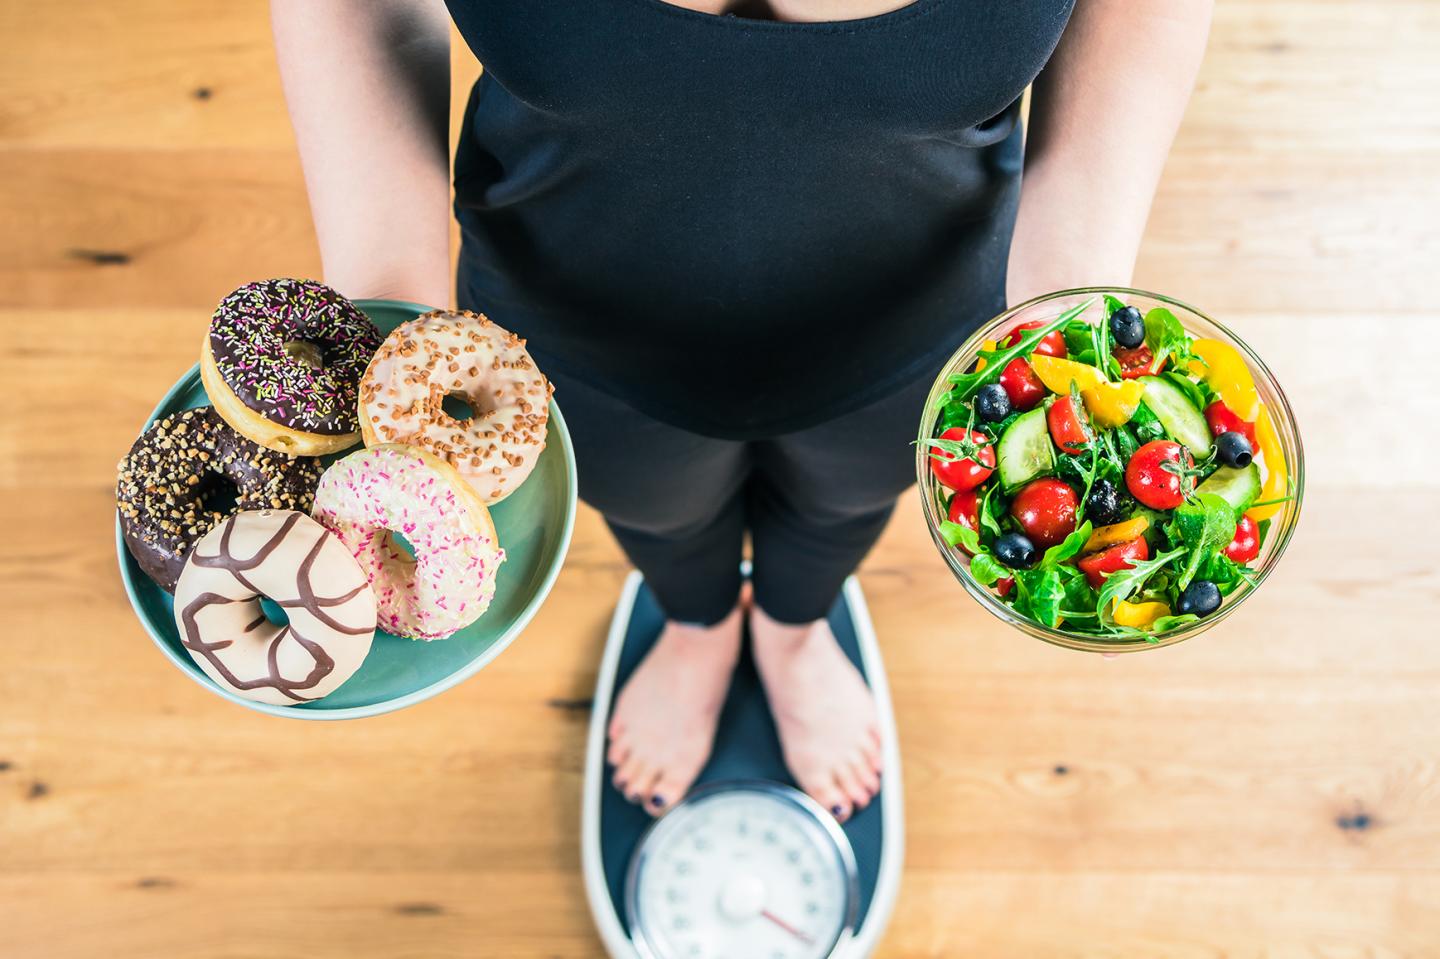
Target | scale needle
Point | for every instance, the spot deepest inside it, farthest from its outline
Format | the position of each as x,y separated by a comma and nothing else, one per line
787,927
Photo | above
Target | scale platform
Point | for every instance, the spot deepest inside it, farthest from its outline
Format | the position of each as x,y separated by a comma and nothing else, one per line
746,754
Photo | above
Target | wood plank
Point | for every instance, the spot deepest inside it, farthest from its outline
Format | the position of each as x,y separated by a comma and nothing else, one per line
146,75
162,229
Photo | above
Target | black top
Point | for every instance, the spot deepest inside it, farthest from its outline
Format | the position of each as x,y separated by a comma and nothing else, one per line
743,227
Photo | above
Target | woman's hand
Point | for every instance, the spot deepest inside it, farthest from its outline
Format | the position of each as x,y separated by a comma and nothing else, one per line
368,87
1102,117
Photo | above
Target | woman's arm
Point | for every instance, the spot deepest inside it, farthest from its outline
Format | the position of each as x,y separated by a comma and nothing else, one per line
368,87
1102,117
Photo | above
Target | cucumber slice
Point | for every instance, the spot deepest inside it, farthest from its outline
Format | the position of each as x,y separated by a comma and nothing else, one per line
1024,450
1178,415
1238,487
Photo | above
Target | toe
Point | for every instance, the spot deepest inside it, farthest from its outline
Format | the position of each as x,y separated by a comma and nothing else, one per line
668,790
619,752
629,775
846,782
833,799
642,788
872,756
864,773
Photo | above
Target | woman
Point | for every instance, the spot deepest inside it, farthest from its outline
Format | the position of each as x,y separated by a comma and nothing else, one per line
741,237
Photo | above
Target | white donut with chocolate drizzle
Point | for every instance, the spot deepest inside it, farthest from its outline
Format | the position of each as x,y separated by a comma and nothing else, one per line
299,565
462,355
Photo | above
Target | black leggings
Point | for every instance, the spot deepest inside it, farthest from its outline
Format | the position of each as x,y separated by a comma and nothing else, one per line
814,501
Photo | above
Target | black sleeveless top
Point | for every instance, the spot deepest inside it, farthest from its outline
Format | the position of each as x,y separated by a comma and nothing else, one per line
743,227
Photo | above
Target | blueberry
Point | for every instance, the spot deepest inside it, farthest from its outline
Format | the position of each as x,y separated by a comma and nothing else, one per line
1234,449
1201,597
1016,551
1106,504
992,403
1127,327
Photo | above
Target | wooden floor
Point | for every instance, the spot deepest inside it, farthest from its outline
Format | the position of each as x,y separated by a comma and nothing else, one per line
1272,790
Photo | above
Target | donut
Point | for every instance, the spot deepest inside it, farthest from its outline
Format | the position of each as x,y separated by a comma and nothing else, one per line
462,355
282,363
450,580
296,563
186,473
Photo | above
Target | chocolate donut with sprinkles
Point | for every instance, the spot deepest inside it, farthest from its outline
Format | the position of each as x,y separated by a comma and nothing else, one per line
186,474
282,363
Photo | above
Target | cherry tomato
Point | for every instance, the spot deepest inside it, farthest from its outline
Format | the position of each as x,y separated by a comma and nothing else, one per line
1051,344
1138,362
1149,481
1067,425
965,510
963,473
1003,586
1246,544
1124,555
1046,511
1022,385
1224,420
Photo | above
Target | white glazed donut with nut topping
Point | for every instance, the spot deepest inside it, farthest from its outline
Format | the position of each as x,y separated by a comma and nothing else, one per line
463,355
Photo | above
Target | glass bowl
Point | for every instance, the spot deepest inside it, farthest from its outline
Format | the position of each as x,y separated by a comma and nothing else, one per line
1197,324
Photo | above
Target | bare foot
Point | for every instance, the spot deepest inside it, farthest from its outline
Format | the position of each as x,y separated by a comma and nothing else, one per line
823,710
663,726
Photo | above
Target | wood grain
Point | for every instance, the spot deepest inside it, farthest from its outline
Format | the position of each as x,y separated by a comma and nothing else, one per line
1269,792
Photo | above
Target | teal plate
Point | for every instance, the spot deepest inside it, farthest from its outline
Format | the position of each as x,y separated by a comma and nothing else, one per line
534,524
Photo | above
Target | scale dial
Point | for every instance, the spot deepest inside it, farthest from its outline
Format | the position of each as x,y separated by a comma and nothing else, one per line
750,871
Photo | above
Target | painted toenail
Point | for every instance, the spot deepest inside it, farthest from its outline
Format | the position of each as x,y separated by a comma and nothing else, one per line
657,800
837,811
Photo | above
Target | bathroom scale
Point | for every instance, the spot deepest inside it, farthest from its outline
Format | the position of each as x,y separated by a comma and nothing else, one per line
746,866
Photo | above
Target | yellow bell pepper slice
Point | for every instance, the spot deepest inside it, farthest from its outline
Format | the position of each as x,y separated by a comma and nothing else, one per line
1104,537
1112,404
1138,615
1276,482
989,347
1057,374
1225,370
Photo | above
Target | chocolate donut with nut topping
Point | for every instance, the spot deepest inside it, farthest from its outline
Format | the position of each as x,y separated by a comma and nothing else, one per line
177,483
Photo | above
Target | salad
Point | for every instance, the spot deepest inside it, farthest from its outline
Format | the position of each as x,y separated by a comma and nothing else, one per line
1113,479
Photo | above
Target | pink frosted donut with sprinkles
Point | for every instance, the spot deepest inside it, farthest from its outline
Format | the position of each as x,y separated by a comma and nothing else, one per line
369,496
282,363
464,356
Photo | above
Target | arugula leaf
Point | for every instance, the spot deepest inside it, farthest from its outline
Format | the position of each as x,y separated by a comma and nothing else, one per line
1123,584
1165,336
987,570
1067,548
1166,623
991,511
1100,343
1147,424
1077,337
1125,444
1205,525
1039,594
1262,529
1111,305
962,536
1225,573
1079,595
964,385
